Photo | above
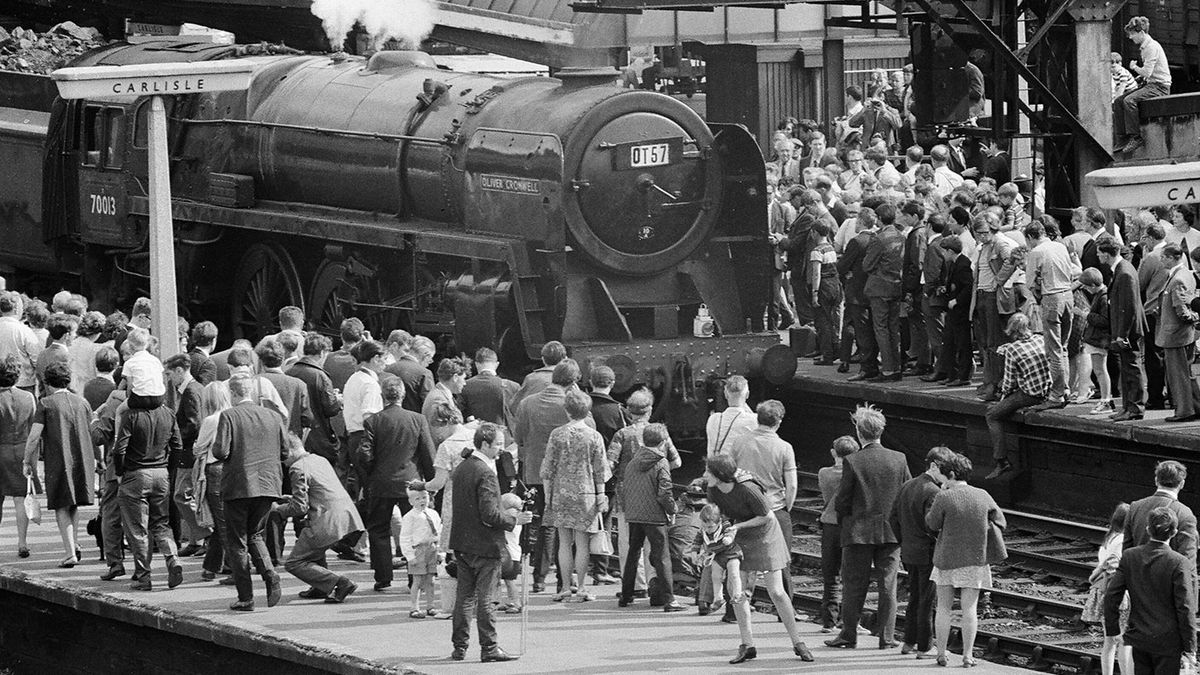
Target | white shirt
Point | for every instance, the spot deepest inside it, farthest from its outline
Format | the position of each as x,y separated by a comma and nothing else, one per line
491,463
725,428
945,180
1191,238
361,397
145,374
1154,63
19,340
414,527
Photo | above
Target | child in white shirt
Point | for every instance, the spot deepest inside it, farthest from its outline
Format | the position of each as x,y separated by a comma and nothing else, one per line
510,566
419,533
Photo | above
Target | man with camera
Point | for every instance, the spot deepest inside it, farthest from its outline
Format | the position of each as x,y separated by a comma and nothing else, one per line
477,539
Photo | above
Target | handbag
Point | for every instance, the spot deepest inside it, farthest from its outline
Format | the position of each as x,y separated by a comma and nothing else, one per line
996,551
600,541
33,506
1093,607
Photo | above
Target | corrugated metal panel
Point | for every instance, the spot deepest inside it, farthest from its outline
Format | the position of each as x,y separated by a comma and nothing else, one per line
786,90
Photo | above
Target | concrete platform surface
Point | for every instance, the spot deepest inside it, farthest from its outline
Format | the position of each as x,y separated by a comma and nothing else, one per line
371,632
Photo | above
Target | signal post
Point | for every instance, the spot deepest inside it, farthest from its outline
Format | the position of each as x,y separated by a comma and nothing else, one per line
156,81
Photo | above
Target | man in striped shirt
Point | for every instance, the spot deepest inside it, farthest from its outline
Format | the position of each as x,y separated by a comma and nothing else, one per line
1156,77
1026,382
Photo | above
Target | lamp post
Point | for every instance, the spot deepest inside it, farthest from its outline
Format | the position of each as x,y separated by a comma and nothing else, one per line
157,80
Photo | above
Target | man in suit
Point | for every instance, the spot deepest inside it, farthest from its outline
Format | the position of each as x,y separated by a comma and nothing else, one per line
323,400
451,376
292,391
1093,222
884,262
477,539
912,219
412,355
878,117
1162,600
1152,281
396,448
1127,323
871,480
553,352
183,398
916,548
341,364
1176,333
956,359
318,498
935,267
1169,477
487,396
221,359
250,440
204,338
858,310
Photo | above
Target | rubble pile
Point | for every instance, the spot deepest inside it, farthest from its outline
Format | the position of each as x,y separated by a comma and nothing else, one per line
27,51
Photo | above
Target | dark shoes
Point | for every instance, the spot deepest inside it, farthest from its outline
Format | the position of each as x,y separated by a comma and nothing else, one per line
624,602
458,654
243,606
113,572
890,377
274,589
311,594
956,383
840,643
1181,418
844,368
918,372
346,553
1125,416
380,585
1132,144
188,551
744,654
825,362
342,590
174,575
673,607
802,651
704,609
889,645
1049,405
934,377
861,375
142,584
495,655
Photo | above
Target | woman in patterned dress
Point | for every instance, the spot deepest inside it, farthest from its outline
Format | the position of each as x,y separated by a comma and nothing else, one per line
573,475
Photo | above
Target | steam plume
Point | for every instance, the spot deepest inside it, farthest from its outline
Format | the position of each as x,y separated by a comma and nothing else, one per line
408,21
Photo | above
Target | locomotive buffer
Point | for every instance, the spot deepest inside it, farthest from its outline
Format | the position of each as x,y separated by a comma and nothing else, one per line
156,80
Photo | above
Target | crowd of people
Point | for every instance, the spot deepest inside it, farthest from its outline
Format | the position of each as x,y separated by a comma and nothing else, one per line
907,260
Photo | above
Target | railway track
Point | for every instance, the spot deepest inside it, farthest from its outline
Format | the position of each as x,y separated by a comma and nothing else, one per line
1037,544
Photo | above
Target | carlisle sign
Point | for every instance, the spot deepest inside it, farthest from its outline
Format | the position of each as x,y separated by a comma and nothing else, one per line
157,79
1136,186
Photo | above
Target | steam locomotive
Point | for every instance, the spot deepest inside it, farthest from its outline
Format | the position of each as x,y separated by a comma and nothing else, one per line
486,211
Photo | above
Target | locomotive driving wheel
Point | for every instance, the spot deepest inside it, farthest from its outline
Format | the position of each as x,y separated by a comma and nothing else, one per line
344,289
266,280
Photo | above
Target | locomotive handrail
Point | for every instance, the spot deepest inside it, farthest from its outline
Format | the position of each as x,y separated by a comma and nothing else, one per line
323,130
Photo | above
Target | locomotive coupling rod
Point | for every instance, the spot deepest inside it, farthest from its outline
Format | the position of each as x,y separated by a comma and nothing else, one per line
323,130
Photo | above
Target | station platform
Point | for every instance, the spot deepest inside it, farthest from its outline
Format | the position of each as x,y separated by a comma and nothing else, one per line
370,633
1069,461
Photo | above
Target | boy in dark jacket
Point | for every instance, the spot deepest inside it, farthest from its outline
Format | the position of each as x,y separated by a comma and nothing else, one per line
648,507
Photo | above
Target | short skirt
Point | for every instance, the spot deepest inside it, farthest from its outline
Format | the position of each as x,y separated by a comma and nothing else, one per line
974,576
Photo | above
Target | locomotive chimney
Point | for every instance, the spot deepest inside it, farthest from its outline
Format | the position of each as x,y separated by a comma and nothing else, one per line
577,77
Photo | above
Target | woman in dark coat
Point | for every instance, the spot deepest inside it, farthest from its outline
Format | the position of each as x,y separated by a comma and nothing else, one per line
60,424
16,417
741,500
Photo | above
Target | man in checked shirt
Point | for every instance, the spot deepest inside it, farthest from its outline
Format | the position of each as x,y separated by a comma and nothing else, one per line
1026,382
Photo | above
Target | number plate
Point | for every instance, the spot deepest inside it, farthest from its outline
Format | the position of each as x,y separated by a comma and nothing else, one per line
649,155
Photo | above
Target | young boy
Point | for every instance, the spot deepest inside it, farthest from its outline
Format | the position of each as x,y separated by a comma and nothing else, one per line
419,531
828,479
510,566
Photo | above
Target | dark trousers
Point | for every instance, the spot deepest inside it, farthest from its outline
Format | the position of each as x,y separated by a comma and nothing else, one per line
307,563
1145,663
1133,378
829,299
1156,374
245,520
377,516
935,321
864,335
803,296
1184,392
214,558
477,578
956,360
110,524
1125,108
660,558
545,543
989,334
173,515
918,336
885,321
1000,411
831,567
144,499
859,563
922,598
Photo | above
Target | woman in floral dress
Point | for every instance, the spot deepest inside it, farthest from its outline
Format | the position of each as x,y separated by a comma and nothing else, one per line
573,475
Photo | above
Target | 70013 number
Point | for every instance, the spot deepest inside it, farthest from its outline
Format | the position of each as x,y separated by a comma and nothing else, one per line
104,205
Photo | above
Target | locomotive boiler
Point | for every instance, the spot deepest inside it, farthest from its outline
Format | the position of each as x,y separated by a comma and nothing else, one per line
486,211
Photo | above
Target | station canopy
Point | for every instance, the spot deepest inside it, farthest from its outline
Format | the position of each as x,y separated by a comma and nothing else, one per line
1121,187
